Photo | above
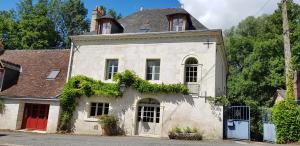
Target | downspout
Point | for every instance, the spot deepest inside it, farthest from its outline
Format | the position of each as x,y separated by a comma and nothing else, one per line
70,62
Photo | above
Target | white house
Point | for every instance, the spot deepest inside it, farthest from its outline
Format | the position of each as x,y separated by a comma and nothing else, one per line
160,45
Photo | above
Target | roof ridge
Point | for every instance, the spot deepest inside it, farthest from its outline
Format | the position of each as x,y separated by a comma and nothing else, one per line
37,50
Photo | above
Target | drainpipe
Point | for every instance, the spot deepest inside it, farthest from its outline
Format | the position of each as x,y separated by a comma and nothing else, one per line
70,62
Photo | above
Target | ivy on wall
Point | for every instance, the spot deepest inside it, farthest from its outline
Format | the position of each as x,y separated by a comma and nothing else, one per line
84,86
286,115
2,106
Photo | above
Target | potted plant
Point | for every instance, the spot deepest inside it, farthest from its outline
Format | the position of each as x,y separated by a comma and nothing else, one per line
108,125
185,133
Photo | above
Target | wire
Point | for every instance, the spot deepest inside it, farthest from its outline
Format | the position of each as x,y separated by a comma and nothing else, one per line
265,4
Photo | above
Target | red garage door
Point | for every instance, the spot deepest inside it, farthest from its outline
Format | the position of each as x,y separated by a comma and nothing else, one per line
35,116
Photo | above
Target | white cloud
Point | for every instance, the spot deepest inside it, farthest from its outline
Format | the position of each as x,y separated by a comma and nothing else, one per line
226,13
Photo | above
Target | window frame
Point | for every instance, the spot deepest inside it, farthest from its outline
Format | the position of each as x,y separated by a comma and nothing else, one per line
54,72
190,70
154,69
104,109
107,69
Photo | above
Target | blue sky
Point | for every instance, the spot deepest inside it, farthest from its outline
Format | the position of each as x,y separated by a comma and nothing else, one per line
125,7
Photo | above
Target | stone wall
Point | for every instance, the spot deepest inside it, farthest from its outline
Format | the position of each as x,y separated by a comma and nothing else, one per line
176,110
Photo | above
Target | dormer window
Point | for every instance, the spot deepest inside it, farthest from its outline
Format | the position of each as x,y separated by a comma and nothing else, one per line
177,23
106,27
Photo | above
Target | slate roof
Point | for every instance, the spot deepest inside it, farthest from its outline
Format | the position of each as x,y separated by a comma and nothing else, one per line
35,67
155,20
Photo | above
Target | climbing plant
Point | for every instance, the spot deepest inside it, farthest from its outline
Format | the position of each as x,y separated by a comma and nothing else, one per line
286,115
2,106
79,86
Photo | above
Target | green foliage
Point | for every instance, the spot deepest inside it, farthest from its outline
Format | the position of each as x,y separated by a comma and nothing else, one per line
286,117
36,29
220,100
9,30
84,86
187,130
2,106
108,121
290,84
255,56
143,86
176,130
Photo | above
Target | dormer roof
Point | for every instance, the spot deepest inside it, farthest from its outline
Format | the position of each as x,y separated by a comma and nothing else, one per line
155,20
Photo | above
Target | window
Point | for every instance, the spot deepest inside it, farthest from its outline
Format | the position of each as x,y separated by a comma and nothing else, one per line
111,68
98,109
149,110
177,24
53,74
153,69
149,114
106,26
191,70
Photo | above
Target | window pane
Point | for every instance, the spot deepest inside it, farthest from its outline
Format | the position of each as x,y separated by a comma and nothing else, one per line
93,111
153,69
53,74
149,76
100,109
157,114
156,77
112,68
106,109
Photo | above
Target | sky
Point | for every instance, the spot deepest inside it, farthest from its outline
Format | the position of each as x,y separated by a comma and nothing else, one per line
221,14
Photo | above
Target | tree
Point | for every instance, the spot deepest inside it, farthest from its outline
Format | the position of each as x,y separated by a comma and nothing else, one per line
256,59
9,30
74,15
36,29
113,13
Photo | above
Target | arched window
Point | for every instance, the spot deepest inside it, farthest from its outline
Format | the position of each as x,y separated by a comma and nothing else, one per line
191,70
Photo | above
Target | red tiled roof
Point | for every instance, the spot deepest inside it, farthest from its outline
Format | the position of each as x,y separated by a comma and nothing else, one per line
35,67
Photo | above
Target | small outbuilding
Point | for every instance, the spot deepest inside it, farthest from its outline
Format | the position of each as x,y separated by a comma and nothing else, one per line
30,84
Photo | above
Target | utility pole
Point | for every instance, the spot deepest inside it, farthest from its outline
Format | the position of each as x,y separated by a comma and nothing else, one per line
286,38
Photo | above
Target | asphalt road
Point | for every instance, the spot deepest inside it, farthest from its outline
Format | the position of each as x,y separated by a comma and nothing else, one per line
34,139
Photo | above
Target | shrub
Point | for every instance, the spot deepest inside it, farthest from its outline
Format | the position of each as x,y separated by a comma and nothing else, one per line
188,130
2,106
108,125
108,121
286,117
185,134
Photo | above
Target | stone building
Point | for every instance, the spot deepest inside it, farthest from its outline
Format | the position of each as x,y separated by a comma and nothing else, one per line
31,82
162,46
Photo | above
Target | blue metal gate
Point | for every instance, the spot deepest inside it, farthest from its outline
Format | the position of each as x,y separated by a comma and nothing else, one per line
238,122
268,126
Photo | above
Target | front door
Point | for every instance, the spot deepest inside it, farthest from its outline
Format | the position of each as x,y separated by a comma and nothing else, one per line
35,116
148,120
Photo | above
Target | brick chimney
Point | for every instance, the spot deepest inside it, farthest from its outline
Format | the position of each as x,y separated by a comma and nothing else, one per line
297,86
97,12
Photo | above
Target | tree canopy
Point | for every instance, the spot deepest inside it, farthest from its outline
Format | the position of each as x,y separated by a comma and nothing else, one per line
44,24
256,56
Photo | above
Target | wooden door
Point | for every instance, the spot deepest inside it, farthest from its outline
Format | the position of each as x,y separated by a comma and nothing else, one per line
35,116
